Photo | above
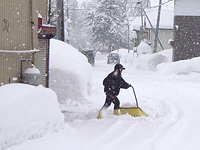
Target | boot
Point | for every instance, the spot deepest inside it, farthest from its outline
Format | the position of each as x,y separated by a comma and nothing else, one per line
116,112
100,115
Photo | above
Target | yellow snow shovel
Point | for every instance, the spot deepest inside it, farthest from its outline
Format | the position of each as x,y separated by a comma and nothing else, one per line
133,111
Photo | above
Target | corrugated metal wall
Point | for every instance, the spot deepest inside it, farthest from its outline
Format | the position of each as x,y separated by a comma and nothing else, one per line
15,25
43,10
15,34
42,60
10,67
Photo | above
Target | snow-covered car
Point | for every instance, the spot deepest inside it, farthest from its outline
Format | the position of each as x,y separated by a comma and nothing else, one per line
113,58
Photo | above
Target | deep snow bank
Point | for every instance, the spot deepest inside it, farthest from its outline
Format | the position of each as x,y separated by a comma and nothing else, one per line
70,72
180,67
126,57
144,48
27,112
160,62
146,62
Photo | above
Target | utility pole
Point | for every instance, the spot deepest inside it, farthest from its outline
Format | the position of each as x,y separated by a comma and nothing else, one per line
68,27
110,42
60,20
142,25
157,26
153,29
128,36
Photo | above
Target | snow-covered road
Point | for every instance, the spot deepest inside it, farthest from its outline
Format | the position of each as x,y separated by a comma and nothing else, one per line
172,103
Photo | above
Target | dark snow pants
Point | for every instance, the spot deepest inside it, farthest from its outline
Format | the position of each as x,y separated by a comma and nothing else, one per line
110,100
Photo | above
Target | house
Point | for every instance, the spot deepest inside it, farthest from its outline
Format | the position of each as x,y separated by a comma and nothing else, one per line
24,39
186,44
165,32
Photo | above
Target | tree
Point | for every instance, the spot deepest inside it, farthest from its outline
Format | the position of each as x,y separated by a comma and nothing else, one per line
108,23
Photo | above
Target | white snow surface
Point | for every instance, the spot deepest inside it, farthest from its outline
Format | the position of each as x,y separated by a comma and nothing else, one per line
144,48
70,73
181,67
27,112
168,93
32,70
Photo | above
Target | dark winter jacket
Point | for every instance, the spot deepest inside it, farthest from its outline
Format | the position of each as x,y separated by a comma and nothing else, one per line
113,82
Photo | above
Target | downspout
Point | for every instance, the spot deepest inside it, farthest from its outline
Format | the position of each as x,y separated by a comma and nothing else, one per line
32,23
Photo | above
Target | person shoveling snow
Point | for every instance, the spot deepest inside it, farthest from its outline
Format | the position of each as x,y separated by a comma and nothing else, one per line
112,84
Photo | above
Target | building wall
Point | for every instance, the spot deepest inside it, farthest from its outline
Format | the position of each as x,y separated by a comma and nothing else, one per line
42,9
10,67
187,37
42,61
187,8
18,32
186,44
164,35
15,25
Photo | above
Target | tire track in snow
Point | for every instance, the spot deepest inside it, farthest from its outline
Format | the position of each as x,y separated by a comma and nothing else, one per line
168,124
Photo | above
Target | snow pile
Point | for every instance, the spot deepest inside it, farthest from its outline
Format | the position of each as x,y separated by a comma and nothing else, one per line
167,53
27,112
180,67
160,62
70,73
144,48
148,62
144,62
100,56
125,55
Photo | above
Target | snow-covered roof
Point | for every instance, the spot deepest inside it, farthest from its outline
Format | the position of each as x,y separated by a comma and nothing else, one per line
187,8
166,17
39,15
48,25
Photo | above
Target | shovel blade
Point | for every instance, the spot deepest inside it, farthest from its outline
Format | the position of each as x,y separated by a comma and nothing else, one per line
133,111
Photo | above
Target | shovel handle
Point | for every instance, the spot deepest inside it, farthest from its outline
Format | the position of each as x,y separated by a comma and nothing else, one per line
135,96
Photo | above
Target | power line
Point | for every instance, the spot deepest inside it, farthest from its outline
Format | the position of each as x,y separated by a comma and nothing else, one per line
160,4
